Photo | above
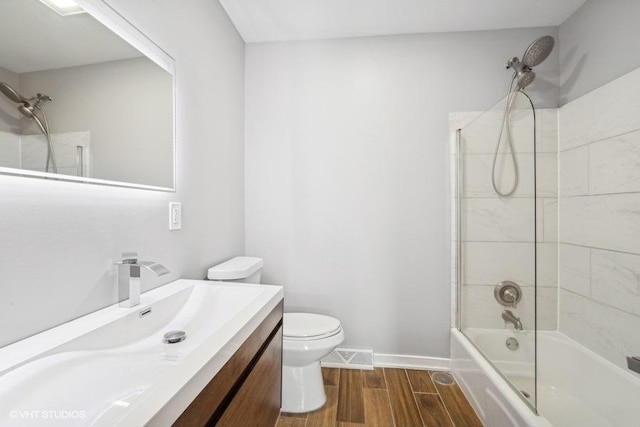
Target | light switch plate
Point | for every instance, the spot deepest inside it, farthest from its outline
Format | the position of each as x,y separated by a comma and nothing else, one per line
175,216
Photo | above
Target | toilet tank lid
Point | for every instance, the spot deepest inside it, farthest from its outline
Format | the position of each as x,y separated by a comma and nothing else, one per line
236,268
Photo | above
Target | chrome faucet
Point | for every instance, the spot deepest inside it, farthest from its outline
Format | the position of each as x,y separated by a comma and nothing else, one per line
508,316
129,277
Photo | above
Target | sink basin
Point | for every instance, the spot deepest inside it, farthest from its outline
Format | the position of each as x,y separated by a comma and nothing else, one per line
114,367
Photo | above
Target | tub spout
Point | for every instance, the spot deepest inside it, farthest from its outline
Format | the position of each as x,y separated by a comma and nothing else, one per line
508,316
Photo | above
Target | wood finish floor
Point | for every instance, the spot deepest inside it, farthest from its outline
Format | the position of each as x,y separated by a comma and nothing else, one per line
386,398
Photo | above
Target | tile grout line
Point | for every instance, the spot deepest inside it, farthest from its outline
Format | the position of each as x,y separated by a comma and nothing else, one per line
390,408
413,394
386,382
442,400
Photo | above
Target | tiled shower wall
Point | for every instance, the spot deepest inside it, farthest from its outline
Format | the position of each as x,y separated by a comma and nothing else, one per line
29,152
498,233
599,219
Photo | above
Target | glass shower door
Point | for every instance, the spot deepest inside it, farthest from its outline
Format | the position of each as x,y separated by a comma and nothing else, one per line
496,240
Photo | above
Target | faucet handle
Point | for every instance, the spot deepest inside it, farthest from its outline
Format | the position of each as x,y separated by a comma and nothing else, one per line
129,257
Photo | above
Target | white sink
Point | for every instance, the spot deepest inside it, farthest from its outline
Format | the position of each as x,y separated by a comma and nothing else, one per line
112,367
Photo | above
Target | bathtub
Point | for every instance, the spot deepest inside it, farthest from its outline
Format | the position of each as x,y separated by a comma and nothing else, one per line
576,387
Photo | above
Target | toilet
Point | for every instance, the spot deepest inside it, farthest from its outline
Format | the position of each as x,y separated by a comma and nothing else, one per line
307,338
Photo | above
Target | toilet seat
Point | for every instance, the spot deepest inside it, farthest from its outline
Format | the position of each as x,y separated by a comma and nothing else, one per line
308,326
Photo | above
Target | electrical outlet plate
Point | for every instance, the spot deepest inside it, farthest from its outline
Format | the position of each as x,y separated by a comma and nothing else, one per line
175,216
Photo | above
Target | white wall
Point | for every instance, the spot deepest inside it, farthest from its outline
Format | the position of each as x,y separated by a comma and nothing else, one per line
347,172
59,240
127,107
598,44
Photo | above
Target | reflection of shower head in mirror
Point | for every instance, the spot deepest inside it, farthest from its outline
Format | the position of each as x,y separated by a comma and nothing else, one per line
13,95
10,93
27,111
27,108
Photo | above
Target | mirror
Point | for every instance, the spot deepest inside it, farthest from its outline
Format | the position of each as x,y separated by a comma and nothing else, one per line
78,102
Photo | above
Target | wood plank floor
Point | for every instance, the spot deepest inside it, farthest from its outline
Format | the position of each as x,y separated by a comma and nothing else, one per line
386,398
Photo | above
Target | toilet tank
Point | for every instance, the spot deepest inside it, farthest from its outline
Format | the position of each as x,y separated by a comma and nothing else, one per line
242,269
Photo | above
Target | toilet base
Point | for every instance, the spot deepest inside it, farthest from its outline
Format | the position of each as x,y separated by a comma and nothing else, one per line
302,388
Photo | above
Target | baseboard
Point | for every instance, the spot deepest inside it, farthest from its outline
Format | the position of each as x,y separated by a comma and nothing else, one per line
381,360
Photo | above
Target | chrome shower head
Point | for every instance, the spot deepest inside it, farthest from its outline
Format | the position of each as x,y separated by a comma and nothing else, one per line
538,51
10,93
27,111
525,78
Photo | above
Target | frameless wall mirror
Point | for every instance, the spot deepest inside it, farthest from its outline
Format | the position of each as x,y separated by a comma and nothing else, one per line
84,96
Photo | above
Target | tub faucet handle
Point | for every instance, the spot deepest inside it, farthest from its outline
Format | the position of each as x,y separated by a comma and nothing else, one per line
508,293
511,295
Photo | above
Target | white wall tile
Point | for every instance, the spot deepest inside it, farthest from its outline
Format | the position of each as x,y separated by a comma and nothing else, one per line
573,179
610,332
549,219
481,136
614,164
486,312
501,230
574,266
9,150
547,263
608,221
547,175
609,110
501,220
547,300
547,136
615,279
488,263
600,281
478,179
34,152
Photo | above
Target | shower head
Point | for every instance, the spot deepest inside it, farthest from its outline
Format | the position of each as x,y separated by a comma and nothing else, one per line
525,78
535,54
10,93
27,111
538,51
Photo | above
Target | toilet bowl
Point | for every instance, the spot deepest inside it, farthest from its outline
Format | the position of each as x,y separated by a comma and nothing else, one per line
307,338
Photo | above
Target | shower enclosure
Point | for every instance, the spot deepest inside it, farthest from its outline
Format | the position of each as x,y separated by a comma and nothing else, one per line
498,238
546,282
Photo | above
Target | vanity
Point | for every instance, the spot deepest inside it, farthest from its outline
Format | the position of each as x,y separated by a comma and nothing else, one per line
117,367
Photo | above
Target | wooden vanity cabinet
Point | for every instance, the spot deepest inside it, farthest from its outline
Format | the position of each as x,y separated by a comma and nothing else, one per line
247,390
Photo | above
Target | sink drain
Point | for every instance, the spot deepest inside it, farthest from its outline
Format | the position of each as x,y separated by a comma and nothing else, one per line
173,337
443,378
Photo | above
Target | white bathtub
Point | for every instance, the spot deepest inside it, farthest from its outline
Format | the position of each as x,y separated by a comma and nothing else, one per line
576,387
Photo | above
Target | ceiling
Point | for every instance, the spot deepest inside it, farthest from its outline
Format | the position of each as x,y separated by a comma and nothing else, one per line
280,20
34,37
